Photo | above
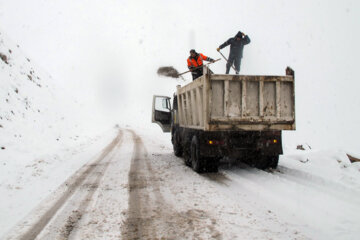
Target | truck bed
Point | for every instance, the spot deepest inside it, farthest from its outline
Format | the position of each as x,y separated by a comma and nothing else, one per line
237,102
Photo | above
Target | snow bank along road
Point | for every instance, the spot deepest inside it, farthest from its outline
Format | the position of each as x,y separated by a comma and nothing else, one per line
137,189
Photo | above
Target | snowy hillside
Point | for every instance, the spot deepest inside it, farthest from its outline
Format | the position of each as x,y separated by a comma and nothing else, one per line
40,129
30,112
37,116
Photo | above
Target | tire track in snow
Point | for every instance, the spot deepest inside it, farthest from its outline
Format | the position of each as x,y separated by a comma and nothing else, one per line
134,226
108,207
72,185
92,187
150,215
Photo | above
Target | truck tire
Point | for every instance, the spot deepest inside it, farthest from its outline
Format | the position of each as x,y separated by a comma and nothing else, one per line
187,155
259,161
178,150
187,159
266,162
273,161
196,161
212,165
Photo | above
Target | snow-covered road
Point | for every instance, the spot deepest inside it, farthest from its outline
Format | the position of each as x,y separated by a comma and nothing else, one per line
137,189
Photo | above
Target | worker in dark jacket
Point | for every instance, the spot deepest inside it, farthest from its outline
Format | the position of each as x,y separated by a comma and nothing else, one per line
195,63
236,50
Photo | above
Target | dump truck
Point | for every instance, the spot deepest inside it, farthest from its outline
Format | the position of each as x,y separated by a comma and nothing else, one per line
235,116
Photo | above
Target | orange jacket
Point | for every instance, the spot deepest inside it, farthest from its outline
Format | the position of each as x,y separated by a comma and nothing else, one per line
197,61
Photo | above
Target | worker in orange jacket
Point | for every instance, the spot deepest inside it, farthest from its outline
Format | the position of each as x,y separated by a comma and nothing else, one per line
195,61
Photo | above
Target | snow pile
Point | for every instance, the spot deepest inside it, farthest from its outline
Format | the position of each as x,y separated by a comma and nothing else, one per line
330,165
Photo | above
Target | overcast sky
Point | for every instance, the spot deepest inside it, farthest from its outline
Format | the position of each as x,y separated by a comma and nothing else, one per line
107,53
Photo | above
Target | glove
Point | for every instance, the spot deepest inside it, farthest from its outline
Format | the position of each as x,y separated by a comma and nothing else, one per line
212,60
218,49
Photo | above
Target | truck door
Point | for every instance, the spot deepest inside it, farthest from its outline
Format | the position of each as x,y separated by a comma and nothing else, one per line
161,112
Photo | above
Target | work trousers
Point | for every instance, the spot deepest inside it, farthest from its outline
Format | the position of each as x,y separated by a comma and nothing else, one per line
197,73
233,59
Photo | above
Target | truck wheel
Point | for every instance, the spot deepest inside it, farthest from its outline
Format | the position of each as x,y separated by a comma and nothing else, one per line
265,162
187,156
273,162
260,162
212,165
178,150
195,155
187,159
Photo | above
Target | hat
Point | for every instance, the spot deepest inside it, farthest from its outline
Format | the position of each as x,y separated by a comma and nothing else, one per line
192,51
239,34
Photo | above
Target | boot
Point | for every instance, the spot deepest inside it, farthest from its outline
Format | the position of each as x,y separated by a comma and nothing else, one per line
227,70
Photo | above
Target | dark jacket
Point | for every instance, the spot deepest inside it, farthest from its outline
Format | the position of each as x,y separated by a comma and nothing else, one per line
236,47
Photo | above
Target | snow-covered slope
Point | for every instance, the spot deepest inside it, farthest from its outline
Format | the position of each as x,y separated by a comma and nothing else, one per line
40,133
36,116
28,105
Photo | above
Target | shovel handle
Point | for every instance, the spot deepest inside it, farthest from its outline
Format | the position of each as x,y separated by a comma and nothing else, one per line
227,60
